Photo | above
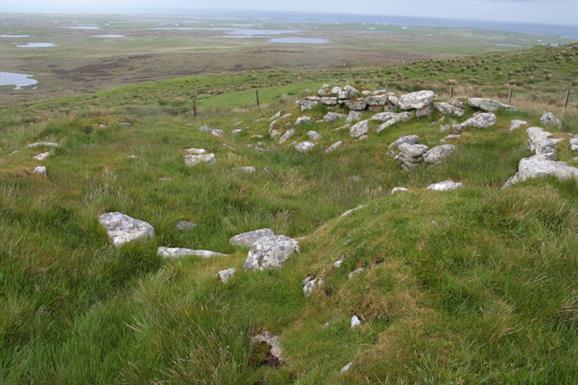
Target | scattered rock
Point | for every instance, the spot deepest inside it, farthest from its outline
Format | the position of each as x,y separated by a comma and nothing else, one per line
286,136
195,151
329,101
542,143
479,120
416,100
333,147
225,275
446,108
410,155
574,143
42,156
122,229
447,185
549,119
276,116
438,153
424,112
377,100
274,356
193,160
43,144
390,118
355,322
177,252
40,170
356,104
359,129
517,124
309,284
304,146
488,105
249,238
339,262
303,120
356,272
398,190
349,212
245,170
353,116
346,368
307,105
451,137
185,226
313,135
332,117
539,167
271,252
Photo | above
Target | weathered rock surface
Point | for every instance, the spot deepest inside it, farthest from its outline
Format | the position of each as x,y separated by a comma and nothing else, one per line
416,100
286,136
410,155
309,284
303,120
314,136
304,146
539,167
354,116
306,105
574,143
225,275
377,100
447,185
122,229
356,104
438,153
489,105
333,147
274,357
517,124
549,119
331,117
43,144
185,225
479,120
542,143
193,160
355,322
40,170
398,190
359,129
446,108
390,118
42,156
177,252
271,252
249,238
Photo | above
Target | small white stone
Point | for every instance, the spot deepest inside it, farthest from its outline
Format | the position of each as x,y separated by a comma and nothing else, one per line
40,170
355,322
397,190
225,275
42,156
447,185
346,368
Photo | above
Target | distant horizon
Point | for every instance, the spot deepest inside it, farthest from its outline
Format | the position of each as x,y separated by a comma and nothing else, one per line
535,12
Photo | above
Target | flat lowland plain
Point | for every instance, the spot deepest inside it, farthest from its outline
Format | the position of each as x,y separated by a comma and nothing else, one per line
99,52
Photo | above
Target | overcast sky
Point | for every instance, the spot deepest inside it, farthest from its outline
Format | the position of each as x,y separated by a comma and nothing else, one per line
534,11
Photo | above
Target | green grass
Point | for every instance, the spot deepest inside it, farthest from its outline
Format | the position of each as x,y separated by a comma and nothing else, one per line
476,286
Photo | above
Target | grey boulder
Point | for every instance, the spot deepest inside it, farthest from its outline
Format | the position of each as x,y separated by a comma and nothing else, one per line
488,105
416,100
271,252
438,153
249,238
122,229
360,129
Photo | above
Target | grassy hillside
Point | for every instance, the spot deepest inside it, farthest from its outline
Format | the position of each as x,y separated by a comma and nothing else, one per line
475,286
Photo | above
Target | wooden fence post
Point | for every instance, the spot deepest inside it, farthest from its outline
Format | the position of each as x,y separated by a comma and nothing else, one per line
567,98
257,97
510,92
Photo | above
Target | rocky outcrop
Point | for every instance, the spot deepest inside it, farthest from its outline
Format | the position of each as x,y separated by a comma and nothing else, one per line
410,155
360,129
416,100
225,275
549,119
177,252
332,117
304,147
479,120
438,153
489,105
446,108
542,143
271,252
447,185
249,238
122,229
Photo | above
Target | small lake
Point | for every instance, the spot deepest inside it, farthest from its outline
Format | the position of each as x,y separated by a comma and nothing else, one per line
110,36
14,36
17,80
84,27
299,40
258,33
36,45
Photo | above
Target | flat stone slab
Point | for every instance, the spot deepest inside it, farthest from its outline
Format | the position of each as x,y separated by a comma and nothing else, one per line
249,238
447,185
122,229
177,252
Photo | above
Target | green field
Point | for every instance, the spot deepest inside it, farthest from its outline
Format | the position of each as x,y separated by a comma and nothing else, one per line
475,286
157,47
